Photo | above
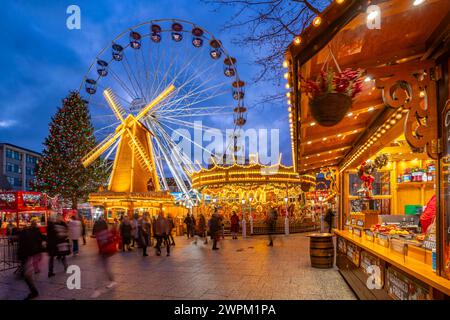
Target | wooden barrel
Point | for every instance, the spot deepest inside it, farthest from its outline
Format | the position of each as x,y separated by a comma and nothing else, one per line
321,250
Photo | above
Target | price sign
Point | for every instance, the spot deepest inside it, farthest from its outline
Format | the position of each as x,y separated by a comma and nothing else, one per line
369,235
357,232
353,252
342,245
353,220
430,245
360,223
383,239
402,287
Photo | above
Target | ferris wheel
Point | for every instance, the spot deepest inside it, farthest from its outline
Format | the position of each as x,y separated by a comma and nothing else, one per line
139,65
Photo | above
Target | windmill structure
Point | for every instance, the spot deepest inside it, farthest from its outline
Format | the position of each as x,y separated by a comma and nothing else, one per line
133,182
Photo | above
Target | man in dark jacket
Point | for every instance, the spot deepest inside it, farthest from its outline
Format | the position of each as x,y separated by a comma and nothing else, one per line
125,233
329,219
58,244
30,245
214,229
188,222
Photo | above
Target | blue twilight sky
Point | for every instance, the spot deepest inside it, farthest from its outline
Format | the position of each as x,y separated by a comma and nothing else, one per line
41,60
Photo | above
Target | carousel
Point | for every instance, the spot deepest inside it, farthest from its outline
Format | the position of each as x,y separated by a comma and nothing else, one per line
252,189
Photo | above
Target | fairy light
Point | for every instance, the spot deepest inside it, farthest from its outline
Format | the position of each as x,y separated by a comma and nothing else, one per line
340,1
312,124
297,40
285,64
317,21
418,2
286,75
287,86
288,94
350,114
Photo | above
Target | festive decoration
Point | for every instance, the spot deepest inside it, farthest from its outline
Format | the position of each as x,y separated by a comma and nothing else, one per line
366,173
331,94
60,170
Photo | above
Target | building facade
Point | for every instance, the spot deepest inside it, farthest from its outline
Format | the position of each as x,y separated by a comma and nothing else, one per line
17,166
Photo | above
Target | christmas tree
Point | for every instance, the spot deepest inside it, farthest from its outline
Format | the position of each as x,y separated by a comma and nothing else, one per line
71,136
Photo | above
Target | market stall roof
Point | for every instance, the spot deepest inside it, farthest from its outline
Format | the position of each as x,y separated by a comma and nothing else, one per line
407,34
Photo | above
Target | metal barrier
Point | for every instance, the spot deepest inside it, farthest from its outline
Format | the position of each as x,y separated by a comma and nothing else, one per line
8,253
260,227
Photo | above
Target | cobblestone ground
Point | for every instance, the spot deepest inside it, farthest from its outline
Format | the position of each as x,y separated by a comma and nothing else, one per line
241,269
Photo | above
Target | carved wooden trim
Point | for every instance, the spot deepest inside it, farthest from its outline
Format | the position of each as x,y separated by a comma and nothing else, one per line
412,86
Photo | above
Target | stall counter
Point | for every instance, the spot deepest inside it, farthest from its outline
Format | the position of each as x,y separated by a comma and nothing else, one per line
414,268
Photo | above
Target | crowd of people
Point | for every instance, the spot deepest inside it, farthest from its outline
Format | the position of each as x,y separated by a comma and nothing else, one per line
140,232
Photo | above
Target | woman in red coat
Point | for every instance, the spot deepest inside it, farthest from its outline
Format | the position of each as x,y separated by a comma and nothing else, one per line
234,225
428,215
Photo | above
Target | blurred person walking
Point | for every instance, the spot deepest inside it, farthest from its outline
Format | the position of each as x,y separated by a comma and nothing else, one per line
107,246
329,219
29,251
143,236
134,230
75,232
171,223
214,229
161,232
271,222
58,244
234,225
203,227
125,233
83,229
188,222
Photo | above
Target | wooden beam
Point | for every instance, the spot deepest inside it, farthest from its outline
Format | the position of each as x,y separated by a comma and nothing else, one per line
334,132
332,150
357,109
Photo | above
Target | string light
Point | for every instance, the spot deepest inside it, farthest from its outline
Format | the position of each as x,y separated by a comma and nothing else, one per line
297,40
317,21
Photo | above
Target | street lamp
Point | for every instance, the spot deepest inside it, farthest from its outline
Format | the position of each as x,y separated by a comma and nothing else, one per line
244,226
286,218
251,218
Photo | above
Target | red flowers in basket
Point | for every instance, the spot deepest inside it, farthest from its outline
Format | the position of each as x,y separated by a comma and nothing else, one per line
348,82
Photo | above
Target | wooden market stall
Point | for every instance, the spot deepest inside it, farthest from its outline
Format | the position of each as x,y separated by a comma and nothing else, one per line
382,122
20,207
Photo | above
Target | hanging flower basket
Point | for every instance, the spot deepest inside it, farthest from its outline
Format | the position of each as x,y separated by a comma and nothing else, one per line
332,92
329,109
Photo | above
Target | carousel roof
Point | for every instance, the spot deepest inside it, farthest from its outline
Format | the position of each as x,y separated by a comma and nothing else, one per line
252,173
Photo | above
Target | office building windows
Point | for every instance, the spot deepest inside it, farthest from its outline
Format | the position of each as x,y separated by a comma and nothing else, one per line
12,154
13,167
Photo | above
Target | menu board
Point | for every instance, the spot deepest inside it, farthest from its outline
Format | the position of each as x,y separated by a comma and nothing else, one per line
353,253
401,287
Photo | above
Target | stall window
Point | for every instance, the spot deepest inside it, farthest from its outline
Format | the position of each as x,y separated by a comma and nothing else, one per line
381,185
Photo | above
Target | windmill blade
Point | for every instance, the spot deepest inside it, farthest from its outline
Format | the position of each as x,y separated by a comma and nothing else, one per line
101,147
141,155
114,104
157,100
